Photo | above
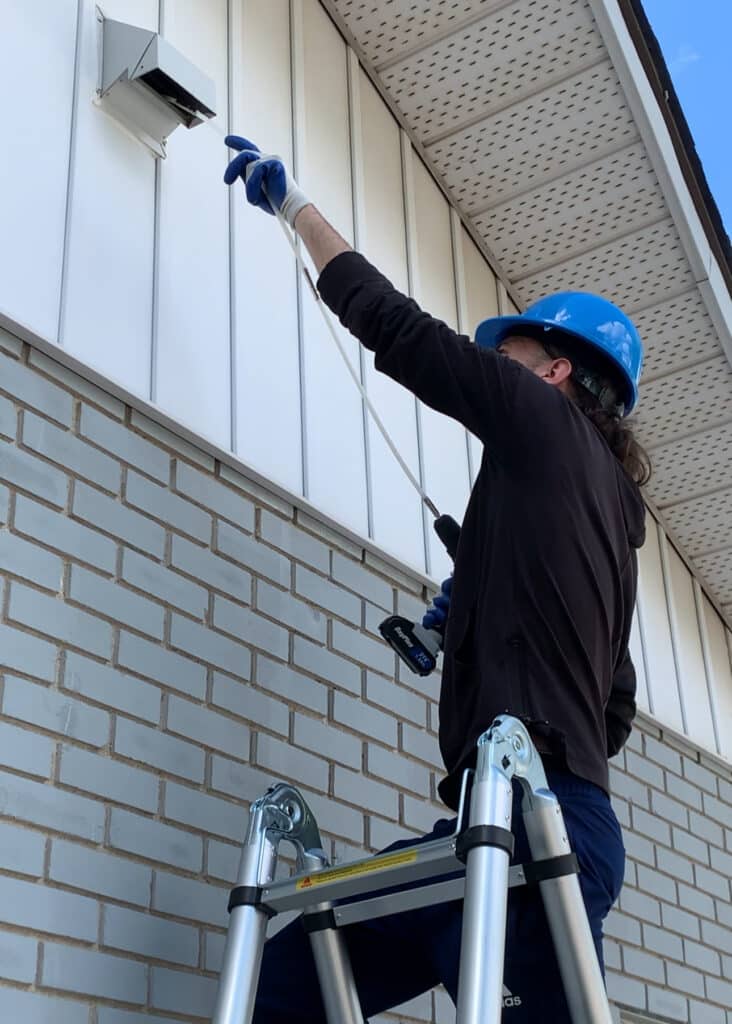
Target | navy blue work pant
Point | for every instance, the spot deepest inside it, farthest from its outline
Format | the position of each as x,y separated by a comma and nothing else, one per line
398,957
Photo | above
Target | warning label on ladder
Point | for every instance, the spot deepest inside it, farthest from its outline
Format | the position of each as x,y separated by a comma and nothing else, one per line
367,867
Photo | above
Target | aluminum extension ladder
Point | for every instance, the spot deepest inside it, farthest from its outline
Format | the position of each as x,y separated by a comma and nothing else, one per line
505,751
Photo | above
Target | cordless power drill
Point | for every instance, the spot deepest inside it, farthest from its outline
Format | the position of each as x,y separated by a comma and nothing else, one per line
416,645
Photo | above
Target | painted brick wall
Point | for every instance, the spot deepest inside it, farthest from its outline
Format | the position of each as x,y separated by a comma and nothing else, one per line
172,637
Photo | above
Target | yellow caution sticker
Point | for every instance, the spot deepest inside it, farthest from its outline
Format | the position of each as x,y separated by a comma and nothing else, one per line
392,860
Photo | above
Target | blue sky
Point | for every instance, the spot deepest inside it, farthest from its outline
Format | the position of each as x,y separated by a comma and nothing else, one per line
696,40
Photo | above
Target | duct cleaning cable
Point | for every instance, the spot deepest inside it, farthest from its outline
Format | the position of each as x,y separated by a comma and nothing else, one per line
362,390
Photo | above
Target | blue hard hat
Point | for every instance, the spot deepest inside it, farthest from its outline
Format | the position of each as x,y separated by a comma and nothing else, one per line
583,317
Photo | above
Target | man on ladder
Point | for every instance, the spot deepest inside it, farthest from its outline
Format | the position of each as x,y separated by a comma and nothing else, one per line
541,603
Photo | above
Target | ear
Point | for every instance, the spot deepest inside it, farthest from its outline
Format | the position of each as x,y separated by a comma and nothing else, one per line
557,371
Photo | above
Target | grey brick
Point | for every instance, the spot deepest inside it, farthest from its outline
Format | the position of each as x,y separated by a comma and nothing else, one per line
116,519
209,646
321,592
421,744
27,653
289,763
719,991
111,1015
668,1004
10,343
32,389
721,861
190,898
71,453
640,905
289,610
705,828
716,809
217,572
656,884
396,699
704,1013
420,815
625,786
111,687
643,965
25,751
51,368
8,418
153,578
662,754
223,860
5,503
206,490
699,903
107,597
208,728
362,582
64,534
288,538
155,840
159,750
364,719
368,793
332,537
100,873
253,629
215,945
45,909
712,882
639,849
644,769
18,957
21,850
650,826
32,1008
699,776
326,665
335,818
243,700
671,810
23,470
620,926
716,936
674,865
50,807
685,792
168,508
293,686
164,666
183,993
725,792
150,936
372,653
204,811
624,990
372,618
690,845
22,558
242,781
145,425
705,959
398,770
679,921
108,778
248,551
124,443
666,943
325,739
622,810
97,974
52,616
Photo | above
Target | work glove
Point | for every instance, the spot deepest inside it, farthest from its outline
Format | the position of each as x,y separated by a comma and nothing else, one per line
436,615
266,179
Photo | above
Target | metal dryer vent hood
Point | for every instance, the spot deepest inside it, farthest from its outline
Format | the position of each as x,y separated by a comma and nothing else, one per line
149,86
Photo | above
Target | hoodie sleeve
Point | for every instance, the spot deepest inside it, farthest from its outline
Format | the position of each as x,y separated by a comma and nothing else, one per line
448,372
620,708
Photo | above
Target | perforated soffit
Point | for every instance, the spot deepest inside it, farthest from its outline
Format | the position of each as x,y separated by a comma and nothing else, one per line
520,112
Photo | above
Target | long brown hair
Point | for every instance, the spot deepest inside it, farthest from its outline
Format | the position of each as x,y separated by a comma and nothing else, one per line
617,431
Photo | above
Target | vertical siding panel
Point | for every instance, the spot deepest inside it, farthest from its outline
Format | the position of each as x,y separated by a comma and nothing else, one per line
193,360
336,459
267,362
382,240
107,302
37,44
656,633
447,479
716,637
638,656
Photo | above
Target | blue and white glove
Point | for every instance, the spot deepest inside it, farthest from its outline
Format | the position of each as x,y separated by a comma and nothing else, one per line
266,179
436,615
